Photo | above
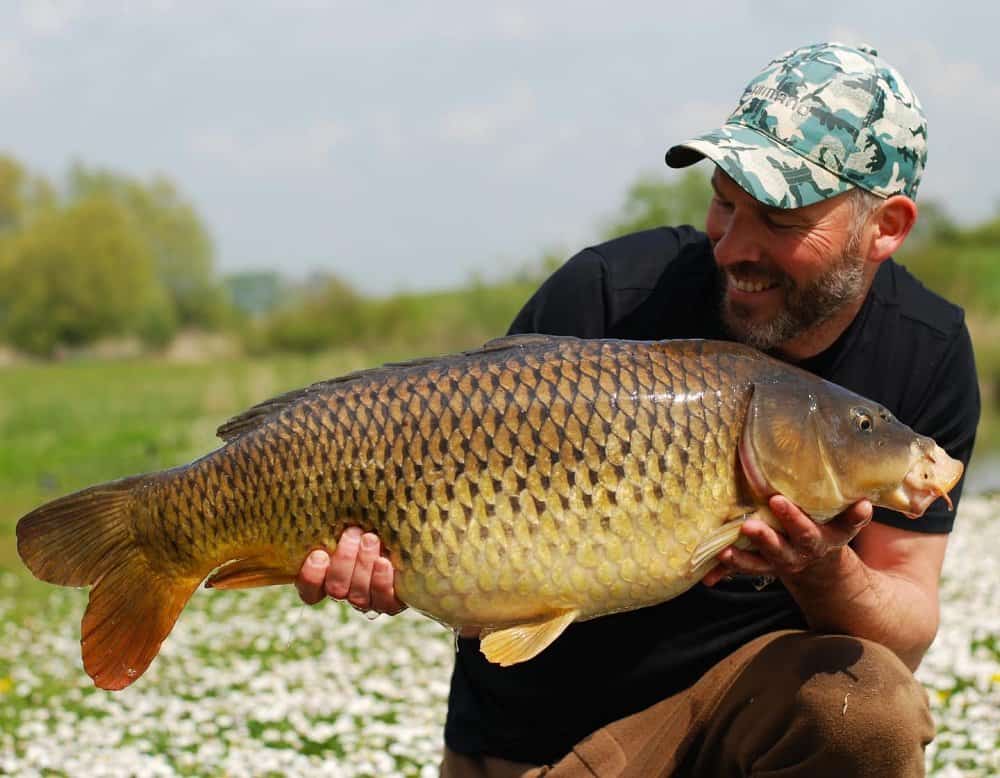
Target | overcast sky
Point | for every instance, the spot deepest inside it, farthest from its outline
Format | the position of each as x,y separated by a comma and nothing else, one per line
408,145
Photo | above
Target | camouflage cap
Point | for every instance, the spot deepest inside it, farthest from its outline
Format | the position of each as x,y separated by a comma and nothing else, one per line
816,122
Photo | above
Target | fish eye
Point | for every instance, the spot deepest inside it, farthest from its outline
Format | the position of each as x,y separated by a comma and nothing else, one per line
863,420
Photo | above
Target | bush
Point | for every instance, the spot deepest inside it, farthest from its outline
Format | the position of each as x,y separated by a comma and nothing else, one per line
78,275
327,313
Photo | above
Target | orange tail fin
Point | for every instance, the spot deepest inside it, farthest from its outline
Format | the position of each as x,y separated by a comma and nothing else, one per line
86,539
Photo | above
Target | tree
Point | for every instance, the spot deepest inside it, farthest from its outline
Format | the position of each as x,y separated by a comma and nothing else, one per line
653,201
327,312
79,274
169,225
22,195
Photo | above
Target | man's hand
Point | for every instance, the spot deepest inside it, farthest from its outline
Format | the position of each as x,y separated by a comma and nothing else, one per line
803,545
356,572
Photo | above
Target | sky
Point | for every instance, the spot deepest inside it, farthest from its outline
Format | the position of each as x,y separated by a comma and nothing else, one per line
407,146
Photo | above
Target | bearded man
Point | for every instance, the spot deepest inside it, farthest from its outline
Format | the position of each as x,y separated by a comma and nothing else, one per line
794,658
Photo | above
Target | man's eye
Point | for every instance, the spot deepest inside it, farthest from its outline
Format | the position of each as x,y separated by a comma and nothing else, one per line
721,203
779,225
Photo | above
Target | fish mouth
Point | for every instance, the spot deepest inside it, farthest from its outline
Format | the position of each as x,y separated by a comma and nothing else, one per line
932,475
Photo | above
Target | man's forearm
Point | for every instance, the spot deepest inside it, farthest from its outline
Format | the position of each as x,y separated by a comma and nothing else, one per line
840,593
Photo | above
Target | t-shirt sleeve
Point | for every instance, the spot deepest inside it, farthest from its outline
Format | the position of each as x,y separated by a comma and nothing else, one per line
573,301
949,413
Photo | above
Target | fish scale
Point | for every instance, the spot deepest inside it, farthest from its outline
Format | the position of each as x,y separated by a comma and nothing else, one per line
517,488
495,506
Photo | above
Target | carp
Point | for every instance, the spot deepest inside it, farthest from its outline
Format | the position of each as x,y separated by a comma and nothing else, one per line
516,488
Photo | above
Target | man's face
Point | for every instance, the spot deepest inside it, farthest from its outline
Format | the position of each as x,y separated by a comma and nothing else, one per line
783,272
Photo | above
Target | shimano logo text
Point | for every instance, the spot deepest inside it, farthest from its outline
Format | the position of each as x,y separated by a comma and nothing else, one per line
761,92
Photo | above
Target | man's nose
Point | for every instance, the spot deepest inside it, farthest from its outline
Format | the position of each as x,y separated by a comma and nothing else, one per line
736,240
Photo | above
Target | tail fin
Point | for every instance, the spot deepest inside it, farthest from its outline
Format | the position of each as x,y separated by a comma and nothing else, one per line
86,539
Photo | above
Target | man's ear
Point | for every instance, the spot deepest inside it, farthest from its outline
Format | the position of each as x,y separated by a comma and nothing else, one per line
891,223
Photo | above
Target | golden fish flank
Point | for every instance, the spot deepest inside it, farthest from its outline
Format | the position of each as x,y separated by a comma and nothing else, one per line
518,488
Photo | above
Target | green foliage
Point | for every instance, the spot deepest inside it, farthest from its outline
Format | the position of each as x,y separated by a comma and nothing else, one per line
934,225
80,274
963,264
115,256
450,320
331,315
174,234
22,196
326,313
653,201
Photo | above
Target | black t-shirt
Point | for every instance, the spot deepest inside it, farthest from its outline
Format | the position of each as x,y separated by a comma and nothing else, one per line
907,348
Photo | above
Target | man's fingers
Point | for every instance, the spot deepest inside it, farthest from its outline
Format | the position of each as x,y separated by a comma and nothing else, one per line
844,527
805,540
311,576
793,519
360,592
749,563
383,588
808,541
716,574
338,577
859,514
799,544
355,572
774,551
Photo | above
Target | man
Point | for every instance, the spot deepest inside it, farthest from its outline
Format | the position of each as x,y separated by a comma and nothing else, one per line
809,674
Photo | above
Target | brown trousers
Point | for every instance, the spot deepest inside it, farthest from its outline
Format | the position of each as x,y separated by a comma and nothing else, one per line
789,704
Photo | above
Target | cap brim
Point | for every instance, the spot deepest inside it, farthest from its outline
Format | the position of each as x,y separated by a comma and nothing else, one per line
768,171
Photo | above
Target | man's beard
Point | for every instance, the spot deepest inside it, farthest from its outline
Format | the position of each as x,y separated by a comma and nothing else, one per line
805,307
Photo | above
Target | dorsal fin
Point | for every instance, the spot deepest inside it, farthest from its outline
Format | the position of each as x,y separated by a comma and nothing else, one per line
514,341
255,416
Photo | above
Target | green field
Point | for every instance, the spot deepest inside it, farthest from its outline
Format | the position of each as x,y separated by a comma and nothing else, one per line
257,684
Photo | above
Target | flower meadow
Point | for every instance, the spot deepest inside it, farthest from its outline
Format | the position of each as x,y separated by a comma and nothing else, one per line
256,684
962,669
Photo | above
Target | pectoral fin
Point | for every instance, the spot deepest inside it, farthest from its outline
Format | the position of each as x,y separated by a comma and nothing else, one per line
249,572
522,642
728,535
721,538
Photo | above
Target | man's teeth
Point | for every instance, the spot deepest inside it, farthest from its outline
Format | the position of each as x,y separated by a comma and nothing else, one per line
750,286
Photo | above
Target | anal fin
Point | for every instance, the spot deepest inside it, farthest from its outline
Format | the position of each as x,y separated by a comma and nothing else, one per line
511,645
259,570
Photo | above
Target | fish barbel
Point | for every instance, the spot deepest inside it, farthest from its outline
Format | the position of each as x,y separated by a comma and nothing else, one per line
517,488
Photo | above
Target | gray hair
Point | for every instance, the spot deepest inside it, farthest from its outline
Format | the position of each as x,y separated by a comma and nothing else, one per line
863,205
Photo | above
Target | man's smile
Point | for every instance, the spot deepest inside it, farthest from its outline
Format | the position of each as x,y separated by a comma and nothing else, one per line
750,285
745,287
